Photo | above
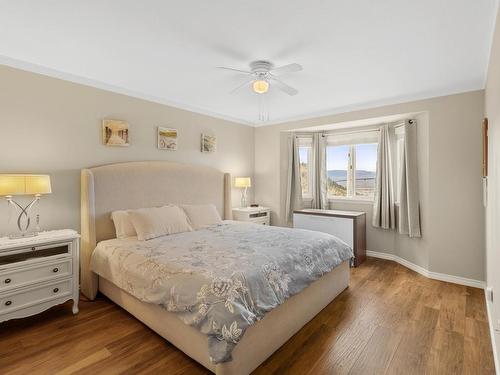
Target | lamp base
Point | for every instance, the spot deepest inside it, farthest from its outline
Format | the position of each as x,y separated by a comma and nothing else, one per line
244,202
24,213
22,235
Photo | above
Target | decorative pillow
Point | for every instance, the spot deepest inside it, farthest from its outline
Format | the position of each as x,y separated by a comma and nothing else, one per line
159,221
123,225
201,215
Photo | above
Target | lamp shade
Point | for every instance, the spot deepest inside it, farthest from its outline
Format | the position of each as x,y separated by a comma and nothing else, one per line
242,182
24,184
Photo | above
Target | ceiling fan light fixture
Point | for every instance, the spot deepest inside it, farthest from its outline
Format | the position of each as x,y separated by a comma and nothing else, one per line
260,86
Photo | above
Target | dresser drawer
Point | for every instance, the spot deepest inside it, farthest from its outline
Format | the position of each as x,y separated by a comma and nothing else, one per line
261,221
35,253
34,273
39,294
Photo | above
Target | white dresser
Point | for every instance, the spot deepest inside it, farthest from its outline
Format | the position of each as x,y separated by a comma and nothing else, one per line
37,273
257,215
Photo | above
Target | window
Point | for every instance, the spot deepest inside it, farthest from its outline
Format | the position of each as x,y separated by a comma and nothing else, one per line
351,163
366,168
337,168
306,169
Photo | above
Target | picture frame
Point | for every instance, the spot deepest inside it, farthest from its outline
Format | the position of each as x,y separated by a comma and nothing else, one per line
208,143
115,133
167,138
485,147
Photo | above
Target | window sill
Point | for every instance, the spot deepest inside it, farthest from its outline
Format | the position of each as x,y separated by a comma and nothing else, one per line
350,200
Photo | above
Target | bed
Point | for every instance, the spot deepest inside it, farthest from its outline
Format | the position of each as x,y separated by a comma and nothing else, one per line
148,184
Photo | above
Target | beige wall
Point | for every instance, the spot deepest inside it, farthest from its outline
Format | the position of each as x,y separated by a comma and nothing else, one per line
53,126
492,111
451,190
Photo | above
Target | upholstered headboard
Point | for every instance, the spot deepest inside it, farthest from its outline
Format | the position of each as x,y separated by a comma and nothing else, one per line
141,184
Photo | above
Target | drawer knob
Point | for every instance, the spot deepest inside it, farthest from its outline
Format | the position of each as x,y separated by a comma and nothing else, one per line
7,281
8,303
33,248
55,270
56,290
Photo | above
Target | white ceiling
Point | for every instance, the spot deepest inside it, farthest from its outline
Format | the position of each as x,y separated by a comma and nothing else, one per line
355,53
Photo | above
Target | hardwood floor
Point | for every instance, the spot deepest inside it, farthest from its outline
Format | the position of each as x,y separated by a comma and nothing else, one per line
390,321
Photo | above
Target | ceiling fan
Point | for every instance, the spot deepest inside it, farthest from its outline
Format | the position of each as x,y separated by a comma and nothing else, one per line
263,74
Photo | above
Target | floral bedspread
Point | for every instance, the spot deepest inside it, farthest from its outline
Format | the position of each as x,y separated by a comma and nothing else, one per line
221,279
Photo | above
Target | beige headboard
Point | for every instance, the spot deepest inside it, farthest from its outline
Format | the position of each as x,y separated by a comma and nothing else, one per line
141,184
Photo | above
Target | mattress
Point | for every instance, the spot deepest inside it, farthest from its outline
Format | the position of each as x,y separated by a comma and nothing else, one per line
222,279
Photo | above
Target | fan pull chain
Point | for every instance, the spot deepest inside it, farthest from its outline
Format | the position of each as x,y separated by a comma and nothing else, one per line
263,114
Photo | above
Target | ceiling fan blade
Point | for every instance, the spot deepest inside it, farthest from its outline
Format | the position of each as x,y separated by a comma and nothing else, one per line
246,83
290,68
234,70
284,87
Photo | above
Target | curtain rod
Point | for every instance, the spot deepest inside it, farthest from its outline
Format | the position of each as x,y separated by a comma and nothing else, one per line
402,123
333,132
353,131
336,133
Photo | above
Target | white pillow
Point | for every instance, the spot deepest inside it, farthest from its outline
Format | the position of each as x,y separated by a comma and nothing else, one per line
201,215
159,221
123,225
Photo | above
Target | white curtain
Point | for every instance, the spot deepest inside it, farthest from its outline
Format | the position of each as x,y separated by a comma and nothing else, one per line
409,206
293,188
320,181
383,206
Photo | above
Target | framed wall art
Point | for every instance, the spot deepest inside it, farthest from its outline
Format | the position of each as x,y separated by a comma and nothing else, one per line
208,143
167,139
115,133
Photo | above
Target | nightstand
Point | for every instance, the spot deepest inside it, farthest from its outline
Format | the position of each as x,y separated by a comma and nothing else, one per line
37,273
257,215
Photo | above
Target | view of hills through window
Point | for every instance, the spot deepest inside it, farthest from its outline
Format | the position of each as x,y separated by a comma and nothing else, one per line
338,163
364,166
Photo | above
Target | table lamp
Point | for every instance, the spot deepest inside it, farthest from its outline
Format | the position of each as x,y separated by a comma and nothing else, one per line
24,184
243,183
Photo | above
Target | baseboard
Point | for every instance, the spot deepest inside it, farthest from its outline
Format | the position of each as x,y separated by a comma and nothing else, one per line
424,272
492,332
